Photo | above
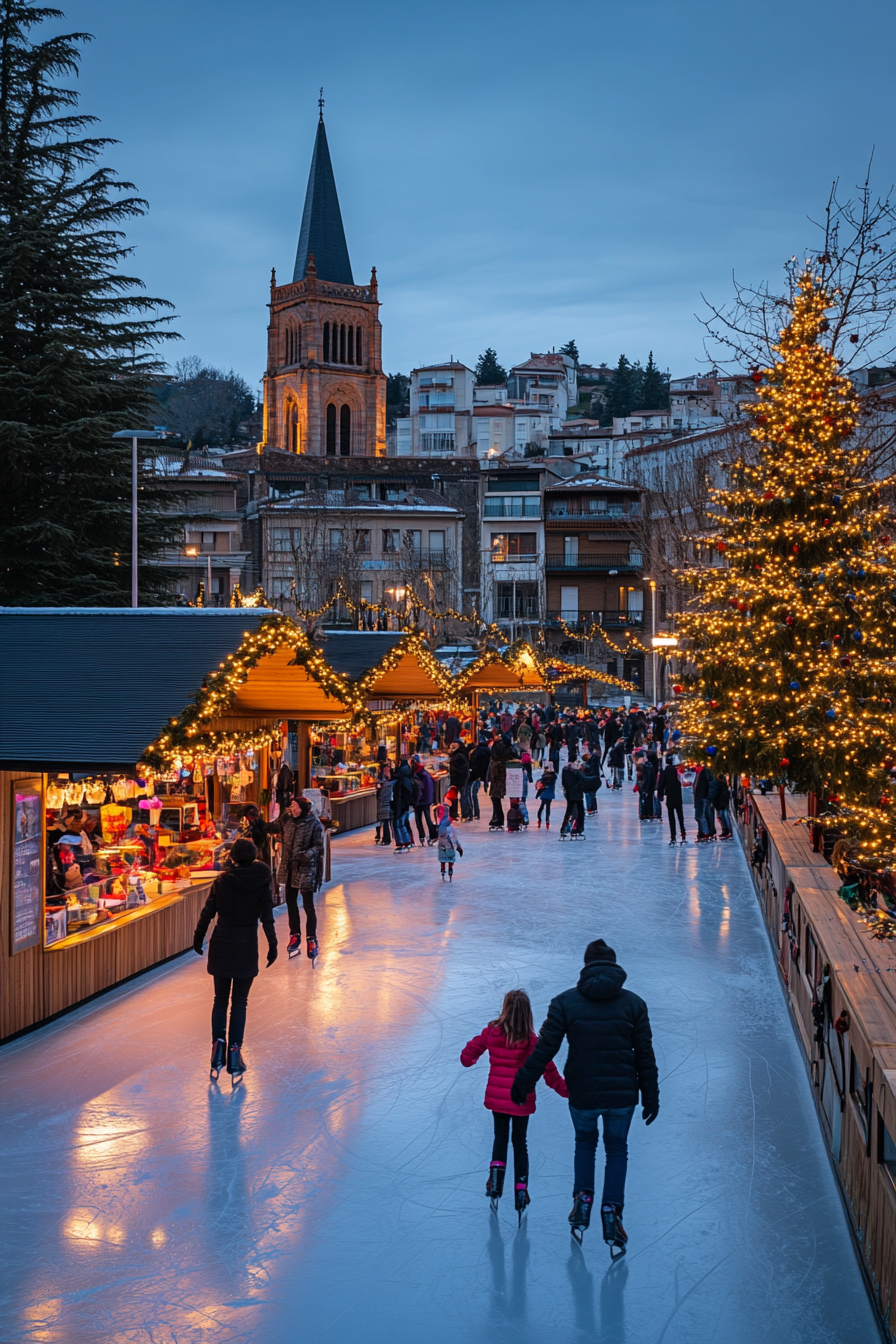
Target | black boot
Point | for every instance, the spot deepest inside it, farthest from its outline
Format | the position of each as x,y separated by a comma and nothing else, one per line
219,1052
580,1217
521,1200
236,1065
494,1186
615,1234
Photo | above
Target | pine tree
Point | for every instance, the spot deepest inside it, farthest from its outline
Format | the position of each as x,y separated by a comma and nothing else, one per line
792,633
571,349
653,393
623,391
488,370
75,340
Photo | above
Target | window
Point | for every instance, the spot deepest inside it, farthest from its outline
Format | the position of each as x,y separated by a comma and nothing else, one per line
284,489
509,545
366,590
414,540
208,541
292,429
335,539
571,551
860,1092
326,342
281,539
437,443
391,540
351,345
345,430
518,601
331,430
293,345
886,1148
569,604
635,601
358,346
498,482
511,508
436,544
342,344
425,382
362,540
597,506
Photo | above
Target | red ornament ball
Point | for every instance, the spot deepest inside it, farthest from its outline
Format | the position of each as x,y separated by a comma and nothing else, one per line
678,689
784,763
790,620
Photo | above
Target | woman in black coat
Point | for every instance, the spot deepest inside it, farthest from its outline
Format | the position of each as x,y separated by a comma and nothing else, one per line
240,898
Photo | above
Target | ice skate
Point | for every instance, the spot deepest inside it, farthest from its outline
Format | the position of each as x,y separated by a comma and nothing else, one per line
672,844
311,947
494,1186
236,1065
521,1200
580,1217
219,1054
294,946
615,1234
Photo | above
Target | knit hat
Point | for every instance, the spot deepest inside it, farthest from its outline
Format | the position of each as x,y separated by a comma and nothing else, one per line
598,951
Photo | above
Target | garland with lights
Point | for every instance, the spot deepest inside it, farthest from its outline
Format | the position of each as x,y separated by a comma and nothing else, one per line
791,639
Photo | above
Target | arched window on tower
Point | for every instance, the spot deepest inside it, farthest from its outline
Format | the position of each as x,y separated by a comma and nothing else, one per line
298,349
342,344
326,342
358,346
351,345
292,428
331,430
345,431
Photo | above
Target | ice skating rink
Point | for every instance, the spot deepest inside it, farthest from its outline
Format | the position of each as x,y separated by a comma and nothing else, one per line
338,1196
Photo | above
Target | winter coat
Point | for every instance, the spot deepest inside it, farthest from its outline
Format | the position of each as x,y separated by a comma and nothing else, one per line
648,777
701,784
573,782
548,782
448,844
458,768
504,1060
285,826
306,867
670,786
617,754
384,800
722,799
427,788
479,761
452,729
501,753
240,898
524,736
612,732
610,1057
402,790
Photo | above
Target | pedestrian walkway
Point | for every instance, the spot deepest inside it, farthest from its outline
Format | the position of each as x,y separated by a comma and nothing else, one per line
339,1194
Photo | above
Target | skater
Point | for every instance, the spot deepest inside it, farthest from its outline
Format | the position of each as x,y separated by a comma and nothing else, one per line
545,791
670,789
306,872
617,762
479,762
574,788
384,805
514,815
702,809
448,844
610,1061
526,761
509,1040
402,802
720,799
424,797
239,898
501,753
647,787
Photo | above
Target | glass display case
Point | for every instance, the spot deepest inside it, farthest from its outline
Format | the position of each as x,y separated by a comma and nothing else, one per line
341,783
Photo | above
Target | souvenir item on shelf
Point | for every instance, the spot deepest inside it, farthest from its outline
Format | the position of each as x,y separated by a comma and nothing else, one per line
220,767
197,773
55,796
115,821
74,792
95,791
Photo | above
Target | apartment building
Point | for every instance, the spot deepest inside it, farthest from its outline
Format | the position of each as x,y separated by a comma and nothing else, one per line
211,559
440,423
512,539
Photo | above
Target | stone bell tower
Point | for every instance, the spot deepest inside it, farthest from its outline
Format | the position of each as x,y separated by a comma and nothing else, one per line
324,389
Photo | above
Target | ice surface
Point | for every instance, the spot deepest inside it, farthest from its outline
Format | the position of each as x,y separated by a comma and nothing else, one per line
338,1197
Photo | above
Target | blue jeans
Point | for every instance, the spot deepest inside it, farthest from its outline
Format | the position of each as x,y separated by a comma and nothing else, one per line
722,813
616,1122
591,802
474,796
701,807
403,828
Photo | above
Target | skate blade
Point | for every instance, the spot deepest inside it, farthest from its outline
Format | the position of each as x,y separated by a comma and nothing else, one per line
494,1204
296,953
577,1233
236,1079
616,1251
214,1074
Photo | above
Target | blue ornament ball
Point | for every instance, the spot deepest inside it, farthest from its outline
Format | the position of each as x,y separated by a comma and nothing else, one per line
794,685
860,573
857,636
710,751
676,735
835,499
832,714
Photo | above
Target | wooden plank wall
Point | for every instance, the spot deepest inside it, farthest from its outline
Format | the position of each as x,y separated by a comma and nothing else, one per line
35,984
863,985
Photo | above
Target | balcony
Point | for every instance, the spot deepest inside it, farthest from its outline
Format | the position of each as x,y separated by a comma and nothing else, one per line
512,508
591,515
610,620
598,564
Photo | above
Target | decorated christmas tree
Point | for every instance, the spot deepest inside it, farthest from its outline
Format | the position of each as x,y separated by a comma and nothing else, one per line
792,633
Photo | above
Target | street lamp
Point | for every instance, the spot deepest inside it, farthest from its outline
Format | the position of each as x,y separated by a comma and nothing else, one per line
194,551
134,435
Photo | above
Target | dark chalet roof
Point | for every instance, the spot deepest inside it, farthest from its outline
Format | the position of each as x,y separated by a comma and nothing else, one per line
355,652
89,688
322,235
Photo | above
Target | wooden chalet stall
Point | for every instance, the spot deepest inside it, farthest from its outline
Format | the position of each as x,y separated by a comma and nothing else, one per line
82,694
840,985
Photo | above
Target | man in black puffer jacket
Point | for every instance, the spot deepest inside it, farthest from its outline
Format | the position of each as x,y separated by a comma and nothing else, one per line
610,1061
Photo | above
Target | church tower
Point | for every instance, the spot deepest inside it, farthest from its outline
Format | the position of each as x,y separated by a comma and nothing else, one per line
324,389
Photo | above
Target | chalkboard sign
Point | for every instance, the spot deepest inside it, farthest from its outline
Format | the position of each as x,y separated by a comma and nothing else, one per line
27,864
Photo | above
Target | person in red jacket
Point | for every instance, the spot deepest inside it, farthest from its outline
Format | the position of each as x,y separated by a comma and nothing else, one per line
509,1040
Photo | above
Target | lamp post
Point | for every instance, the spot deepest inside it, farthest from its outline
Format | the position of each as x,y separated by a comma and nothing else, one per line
134,435
661,642
194,551
652,583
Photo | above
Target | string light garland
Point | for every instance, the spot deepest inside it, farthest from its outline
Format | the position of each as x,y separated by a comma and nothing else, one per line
791,638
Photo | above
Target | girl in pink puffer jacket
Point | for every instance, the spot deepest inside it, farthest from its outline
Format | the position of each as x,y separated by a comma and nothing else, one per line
509,1040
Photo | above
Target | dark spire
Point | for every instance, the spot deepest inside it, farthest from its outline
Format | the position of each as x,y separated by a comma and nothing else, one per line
322,234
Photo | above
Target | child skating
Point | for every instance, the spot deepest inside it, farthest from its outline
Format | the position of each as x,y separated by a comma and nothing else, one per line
448,844
509,1040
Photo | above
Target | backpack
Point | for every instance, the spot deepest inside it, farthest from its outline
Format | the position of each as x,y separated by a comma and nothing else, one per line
418,791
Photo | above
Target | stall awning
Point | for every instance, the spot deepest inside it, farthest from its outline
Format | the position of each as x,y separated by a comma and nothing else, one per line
88,688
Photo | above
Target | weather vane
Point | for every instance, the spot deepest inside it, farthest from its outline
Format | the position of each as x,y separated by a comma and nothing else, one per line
320,102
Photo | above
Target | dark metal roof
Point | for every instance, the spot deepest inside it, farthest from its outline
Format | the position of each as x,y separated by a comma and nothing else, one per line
322,235
87,688
357,651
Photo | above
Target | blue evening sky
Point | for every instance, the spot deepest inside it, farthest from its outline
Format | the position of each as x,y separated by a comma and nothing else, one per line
519,173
